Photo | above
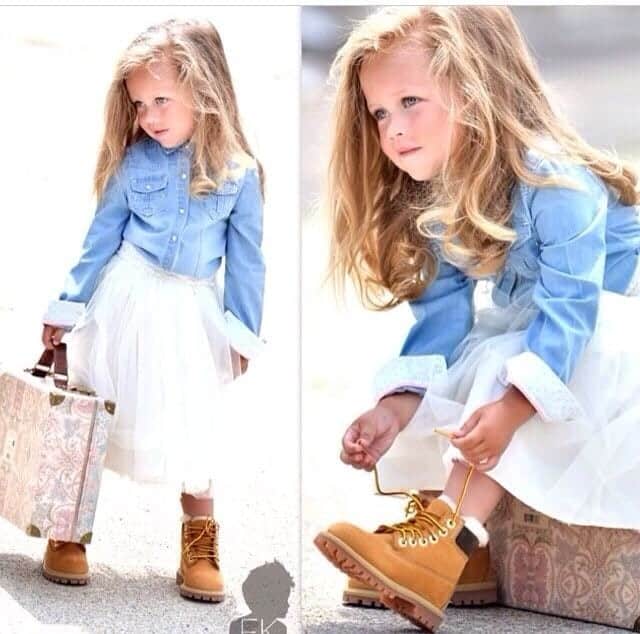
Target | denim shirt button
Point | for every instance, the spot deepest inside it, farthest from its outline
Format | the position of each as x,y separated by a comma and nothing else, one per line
181,210
184,175
174,238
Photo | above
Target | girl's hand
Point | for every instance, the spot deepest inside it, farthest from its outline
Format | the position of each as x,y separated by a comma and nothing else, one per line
369,437
51,335
488,431
244,364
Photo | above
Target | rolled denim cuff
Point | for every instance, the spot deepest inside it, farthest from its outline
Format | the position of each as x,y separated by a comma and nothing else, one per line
408,373
551,398
63,313
241,338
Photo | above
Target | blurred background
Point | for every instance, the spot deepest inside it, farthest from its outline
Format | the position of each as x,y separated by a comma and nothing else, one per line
589,58
56,64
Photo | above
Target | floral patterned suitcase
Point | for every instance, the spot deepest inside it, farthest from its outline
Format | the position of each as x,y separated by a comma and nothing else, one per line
53,443
581,572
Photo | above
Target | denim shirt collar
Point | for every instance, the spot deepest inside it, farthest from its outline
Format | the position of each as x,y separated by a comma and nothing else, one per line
185,147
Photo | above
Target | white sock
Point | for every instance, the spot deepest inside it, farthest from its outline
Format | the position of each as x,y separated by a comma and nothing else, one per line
476,527
449,502
187,518
473,524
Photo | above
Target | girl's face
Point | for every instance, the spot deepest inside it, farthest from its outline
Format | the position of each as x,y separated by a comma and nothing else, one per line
164,109
415,129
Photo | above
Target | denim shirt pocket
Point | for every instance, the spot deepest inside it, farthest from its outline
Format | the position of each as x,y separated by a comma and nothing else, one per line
220,202
523,253
147,193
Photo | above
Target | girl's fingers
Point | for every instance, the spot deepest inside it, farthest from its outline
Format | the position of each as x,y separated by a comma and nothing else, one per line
353,459
46,336
489,464
343,457
367,433
476,452
350,438
479,449
469,443
469,424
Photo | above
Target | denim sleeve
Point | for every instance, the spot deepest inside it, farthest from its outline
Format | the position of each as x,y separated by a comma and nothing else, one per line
571,226
444,316
102,241
244,263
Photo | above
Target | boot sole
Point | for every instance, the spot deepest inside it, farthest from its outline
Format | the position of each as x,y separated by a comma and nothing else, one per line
198,595
401,600
473,594
65,578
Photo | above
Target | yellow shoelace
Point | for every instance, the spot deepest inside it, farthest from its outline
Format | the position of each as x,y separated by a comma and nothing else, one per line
205,543
418,521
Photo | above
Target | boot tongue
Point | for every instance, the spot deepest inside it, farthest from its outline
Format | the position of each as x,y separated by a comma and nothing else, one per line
198,521
440,509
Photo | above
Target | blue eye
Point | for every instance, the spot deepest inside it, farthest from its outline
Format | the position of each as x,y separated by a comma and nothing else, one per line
159,101
379,114
407,102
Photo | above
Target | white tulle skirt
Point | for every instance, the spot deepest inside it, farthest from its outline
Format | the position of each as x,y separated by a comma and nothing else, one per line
154,342
580,472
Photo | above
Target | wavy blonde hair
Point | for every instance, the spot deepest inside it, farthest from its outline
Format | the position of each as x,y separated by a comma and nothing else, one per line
382,220
195,49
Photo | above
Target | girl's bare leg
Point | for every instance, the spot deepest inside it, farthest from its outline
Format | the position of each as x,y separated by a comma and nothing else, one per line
483,493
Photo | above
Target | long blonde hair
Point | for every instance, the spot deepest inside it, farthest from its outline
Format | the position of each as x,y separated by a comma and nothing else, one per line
382,220
195,49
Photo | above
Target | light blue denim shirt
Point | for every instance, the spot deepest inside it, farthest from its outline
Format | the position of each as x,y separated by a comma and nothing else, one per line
147,203
571,244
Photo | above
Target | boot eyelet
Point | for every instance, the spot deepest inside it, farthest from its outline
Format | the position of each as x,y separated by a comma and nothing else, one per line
412,542
451,523
402,542
423,541
444,532
433,539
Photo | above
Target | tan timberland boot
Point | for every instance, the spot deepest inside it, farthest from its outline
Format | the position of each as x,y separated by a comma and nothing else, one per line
199,575
415,565
477,586
66,562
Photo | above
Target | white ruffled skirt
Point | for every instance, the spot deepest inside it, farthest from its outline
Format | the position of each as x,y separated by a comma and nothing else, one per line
584,470
154,342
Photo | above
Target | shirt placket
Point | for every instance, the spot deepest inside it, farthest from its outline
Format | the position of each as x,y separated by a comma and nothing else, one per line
182,199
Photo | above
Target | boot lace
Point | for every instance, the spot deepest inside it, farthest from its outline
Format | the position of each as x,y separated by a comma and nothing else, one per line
420,526
201,541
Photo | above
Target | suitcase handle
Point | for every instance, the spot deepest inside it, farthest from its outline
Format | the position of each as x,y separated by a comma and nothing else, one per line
58,358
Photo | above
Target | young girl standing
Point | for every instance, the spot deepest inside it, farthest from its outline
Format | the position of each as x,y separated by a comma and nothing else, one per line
450,166
178,191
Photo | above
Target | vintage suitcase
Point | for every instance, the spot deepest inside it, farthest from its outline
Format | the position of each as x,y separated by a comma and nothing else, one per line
53,442
581,572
